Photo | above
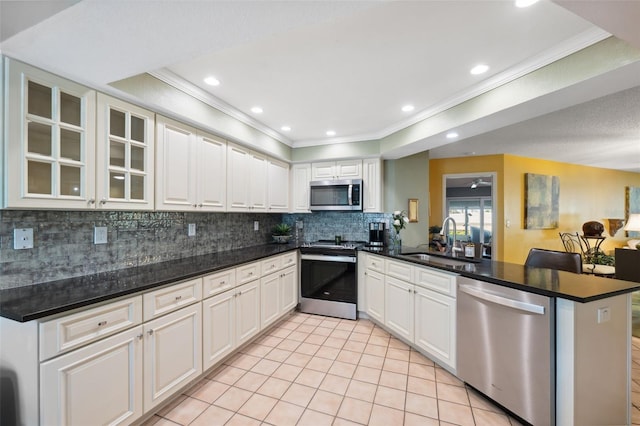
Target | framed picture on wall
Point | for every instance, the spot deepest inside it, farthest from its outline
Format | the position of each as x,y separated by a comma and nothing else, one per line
413,210
631,205
541,198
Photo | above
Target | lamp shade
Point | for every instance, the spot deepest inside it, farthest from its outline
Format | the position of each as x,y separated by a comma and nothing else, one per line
633,223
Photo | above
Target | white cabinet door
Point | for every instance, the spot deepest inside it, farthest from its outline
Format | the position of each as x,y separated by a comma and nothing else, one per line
300,178
278,184
270,298
288,289
247,311
172,353
238,178
372,183
258,182
349,169
323,171
374,288
435,325
176,168
51,140
399,307
212,173
97,384
218,328
124,155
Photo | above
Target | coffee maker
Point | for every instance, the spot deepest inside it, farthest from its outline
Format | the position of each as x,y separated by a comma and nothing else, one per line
376,234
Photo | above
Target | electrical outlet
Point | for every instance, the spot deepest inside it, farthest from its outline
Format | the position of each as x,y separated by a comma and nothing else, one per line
100,235
604,315
192,230
256,225
23,238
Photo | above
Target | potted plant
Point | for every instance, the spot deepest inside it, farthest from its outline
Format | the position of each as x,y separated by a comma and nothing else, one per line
281,233
434,232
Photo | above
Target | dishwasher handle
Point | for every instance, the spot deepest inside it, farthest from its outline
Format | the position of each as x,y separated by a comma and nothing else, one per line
501,300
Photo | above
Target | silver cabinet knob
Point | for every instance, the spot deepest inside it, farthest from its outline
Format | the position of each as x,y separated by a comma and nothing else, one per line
140,336
103,201
91,201
150,332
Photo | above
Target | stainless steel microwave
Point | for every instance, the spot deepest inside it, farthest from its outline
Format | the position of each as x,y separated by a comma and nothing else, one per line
336,195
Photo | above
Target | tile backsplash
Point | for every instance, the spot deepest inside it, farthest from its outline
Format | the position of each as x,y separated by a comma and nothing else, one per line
351,226
63,240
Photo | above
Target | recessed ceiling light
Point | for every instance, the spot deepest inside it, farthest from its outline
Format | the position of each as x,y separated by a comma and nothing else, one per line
212,81
479,69
256,110
452,135
331,133
408,108
285,128
525,3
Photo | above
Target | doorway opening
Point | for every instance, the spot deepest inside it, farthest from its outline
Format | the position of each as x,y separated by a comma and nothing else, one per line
469,200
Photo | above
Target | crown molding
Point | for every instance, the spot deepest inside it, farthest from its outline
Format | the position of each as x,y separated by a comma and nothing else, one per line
569,46
190,89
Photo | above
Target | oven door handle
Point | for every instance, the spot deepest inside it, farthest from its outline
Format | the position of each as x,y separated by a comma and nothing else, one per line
329,258
350,195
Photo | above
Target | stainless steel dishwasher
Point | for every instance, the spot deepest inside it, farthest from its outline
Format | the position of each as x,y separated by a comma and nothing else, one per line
505,340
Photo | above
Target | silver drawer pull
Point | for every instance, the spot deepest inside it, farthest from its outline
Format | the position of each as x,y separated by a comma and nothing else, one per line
140,336
101,323
178,297
150,332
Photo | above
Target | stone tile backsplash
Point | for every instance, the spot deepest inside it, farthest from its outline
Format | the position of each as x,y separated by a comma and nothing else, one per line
63,240
351,226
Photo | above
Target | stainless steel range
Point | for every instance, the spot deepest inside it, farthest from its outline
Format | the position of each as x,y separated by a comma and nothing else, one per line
328,281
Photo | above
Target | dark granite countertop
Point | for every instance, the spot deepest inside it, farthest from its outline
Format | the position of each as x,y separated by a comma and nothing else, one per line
41,300
566,285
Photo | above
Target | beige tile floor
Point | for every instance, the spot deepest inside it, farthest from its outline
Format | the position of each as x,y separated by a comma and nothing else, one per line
313,370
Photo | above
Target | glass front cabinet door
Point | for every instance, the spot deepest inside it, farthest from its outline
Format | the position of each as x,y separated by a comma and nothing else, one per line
50,140
125,135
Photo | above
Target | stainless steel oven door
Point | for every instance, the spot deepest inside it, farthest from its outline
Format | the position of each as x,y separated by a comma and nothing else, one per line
328,285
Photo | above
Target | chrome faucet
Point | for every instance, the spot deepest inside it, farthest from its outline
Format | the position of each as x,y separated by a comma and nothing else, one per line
451,249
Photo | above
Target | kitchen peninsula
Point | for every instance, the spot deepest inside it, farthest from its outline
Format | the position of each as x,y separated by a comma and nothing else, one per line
582,344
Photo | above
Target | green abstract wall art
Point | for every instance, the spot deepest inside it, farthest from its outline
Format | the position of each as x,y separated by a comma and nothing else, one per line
541,198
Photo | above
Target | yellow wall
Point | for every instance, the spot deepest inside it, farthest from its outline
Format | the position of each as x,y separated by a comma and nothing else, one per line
586,193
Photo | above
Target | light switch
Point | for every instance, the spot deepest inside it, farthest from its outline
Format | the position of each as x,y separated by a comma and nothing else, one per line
256,225
192,230
22,238
100,235
604,314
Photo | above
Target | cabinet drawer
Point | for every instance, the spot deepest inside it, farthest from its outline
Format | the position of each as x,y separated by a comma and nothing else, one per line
270,265
437,281
375,263
289,259
213,284
247,273
170,298
400,270
63,334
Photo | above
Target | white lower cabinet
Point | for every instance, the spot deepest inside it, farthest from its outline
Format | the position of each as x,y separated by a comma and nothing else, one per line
270,299
398,314
247,311
288,289
414,303
435,325
218,328
98,384
374,295
172,353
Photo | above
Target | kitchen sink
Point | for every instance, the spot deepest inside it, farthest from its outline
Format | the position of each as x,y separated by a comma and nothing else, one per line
439,259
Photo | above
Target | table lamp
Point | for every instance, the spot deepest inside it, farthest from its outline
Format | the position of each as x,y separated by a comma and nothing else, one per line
633,224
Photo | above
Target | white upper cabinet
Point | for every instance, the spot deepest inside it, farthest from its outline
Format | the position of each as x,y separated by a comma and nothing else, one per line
190,166
124,155
278,179
300,178
344,169
50,140
372,182
256,182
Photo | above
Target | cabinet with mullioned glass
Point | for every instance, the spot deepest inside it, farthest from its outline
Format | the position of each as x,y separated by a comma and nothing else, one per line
125,158
50,140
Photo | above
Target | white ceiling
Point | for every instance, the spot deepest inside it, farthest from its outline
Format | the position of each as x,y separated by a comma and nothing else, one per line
342,65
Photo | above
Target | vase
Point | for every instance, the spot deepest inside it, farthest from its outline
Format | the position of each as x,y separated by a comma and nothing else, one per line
397,242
